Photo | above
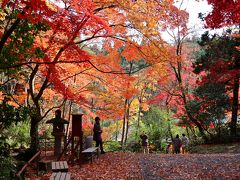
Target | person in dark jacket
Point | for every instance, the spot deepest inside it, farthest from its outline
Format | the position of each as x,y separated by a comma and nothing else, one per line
144,138
97,134
177,143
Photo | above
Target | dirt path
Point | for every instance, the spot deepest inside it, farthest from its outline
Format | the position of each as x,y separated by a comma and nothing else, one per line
131,166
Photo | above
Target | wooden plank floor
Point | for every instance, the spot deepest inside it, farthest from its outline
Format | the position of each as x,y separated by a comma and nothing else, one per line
61,166
60,176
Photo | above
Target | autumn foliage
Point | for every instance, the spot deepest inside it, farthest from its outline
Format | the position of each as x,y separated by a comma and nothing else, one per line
104,58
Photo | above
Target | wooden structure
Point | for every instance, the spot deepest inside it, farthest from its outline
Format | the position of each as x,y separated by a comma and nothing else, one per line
60,171
36,157
60,176
60,166
58,131
91,152
76,139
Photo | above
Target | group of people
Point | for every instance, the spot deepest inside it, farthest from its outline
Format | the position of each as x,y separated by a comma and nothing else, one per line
97,136
179,145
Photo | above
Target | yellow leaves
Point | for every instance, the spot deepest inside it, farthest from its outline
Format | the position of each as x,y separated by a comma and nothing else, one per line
151,24
41,42
2,15
155,52
135,104
51,6
2,18
135,7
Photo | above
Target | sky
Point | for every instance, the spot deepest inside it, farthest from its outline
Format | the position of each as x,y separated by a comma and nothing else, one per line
194,8
195,25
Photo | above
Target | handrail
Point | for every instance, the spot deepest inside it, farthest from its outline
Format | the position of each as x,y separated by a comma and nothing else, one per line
28,163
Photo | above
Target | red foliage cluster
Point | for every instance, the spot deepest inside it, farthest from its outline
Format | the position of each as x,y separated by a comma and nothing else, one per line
224,13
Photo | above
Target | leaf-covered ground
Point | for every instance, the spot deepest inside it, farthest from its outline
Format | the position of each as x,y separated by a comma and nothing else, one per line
217,148
158,166
191,166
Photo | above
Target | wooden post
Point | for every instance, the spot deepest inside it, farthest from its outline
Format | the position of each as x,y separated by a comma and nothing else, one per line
77,132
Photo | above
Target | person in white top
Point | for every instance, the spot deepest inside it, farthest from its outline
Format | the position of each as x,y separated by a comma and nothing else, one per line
185,142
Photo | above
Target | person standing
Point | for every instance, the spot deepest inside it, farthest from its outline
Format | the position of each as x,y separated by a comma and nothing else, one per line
97,134
177,143
58,131
185,142
144,138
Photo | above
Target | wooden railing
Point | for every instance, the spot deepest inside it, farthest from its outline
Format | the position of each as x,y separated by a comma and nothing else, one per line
46,144
37,155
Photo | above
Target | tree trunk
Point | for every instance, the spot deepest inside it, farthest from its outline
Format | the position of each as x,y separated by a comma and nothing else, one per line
139,113
116,137
199,126
127,125
124,123
178,75
233,125
188,135
138,119
8,33
34,146
169,129
123,130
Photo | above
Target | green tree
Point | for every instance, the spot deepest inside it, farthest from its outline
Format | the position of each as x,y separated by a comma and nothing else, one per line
219,60
156,123
209,106
10,115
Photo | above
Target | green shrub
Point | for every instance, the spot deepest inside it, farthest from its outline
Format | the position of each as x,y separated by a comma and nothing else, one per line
7,163
133,147
111,146
18,135
194,142
8,168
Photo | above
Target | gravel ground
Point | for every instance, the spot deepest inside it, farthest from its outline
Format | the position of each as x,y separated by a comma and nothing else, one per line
191,166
